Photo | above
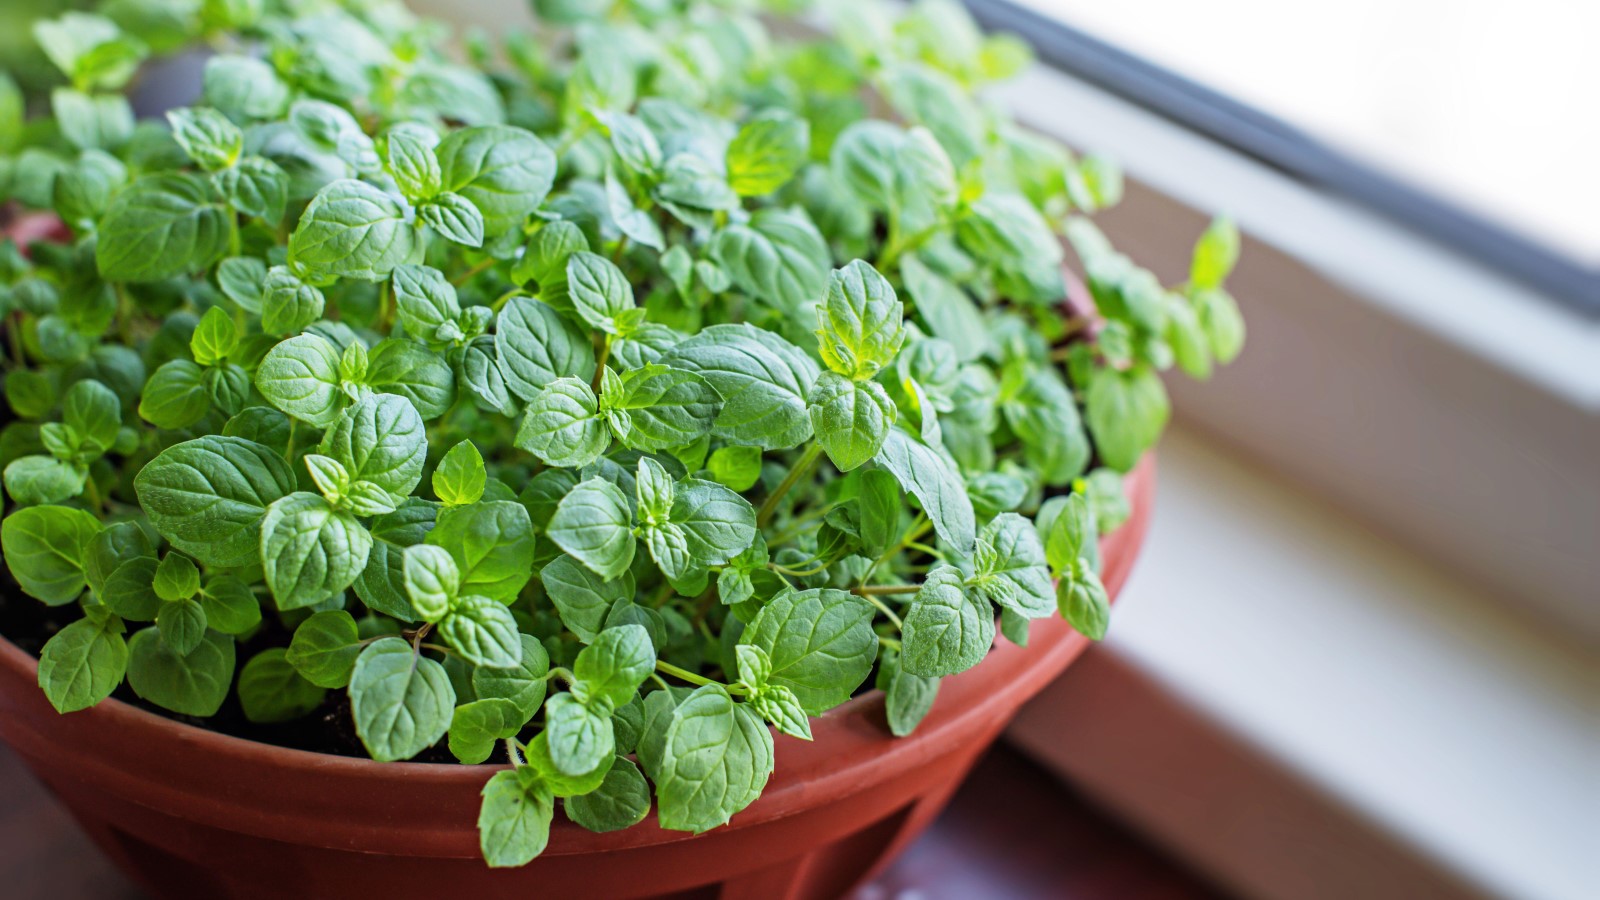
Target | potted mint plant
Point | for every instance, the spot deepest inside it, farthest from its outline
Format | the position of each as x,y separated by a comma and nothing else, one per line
444,475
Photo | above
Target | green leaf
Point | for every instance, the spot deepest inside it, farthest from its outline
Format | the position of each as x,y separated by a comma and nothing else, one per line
717,758
182,623
736,468
244,87
657,407
110,548
158,227
176,578
859,323
761,378
581,597
175,396
621,801
482,631
537,346
1083,602
476,726
1043,414
767,152
272,690
408,153
402,702
654,490
324,648
932,477
410,370
636,146
851,418
1010,567
207,496
778,257
505,172
611,669
1070,532
907,698
83,663
42,479
98,122
353,230
191,684
214,338
523,684
1006,228
91,50
455,218
130,590
779,705
1215,254
301,377
947,310
288,304
879,505
580,738
820,644
432,580
382,440
946,629
563,425
1222,323
716,523
460,477
514,823
493,546
1126,413
206,136
257,187
310,551
599,292
424,300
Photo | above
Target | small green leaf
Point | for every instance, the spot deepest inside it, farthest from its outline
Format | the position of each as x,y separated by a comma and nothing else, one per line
820,644
859,323
1215,254
301,377
382,440
460,477
1083,602
717,758
761,378
581,597
611,669
44,548
191,684
482,631
455,218
536,346
206,136
176,578
580,738
82,664
767,152
621,801
598,290
778,257
476,726
523,684
1126,413
657,407
851,419
492,544
324,648
505,172
933,478
402,702
563,426
946,629
309,550
353,230
514,823
432,580
594,523
736,468
175,396
272,690
907,698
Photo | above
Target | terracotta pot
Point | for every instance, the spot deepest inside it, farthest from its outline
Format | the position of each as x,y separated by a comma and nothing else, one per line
195,814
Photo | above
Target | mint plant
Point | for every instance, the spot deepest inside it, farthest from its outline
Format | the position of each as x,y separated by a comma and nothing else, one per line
599,406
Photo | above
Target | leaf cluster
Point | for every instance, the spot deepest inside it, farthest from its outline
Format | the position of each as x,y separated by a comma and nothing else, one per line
591,405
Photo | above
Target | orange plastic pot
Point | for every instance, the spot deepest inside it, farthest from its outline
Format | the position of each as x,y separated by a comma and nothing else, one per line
190,813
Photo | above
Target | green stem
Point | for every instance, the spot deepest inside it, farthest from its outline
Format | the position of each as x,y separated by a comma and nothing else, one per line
600,358
883,590
891,643
798,471
466,276
693,678
513,754
884,608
